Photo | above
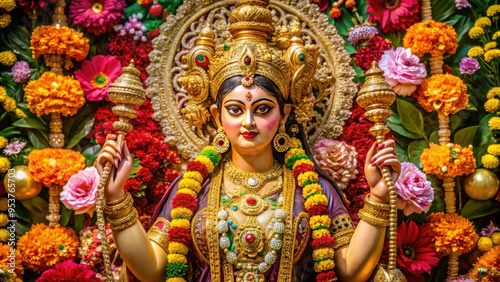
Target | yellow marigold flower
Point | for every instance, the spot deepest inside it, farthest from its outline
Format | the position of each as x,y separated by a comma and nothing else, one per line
7,58
47,39
488,260
20,114
494,123
311,189
187,183
176,279
451,233
180,222
5,20
475,32
307,176
435,38
292,152
493,93
206,161
4,164
320,233
194,175
495,238
494,149
4,204
9,104
483,22
177,258
475,51
177,248
492,105
294,142
42,247
496,35
4,235
444,93
316,200
3,142
323,253
302,161
493,10
324,265
490,45
317,221
5,259
53,93
490,161
181,212
491,54
3,220
484,244
54,166
8,5
187,191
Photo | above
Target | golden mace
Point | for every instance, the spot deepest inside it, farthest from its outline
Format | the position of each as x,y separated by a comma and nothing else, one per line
376,96
126,92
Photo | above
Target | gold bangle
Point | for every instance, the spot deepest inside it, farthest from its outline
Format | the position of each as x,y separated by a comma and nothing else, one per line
117,201
372,219
120,208
376,205
124,222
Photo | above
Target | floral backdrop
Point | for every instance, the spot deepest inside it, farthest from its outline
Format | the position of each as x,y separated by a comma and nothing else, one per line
442,61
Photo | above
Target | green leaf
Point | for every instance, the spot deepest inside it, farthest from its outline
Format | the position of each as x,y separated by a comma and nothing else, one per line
9,131
87,126
475,209
90,154
401,130
394,118
65,215
22,213
38,209
402,153
79,222
443,10
465,137
483,139
37,139
136,166
411,117
33,123
415,151
434,138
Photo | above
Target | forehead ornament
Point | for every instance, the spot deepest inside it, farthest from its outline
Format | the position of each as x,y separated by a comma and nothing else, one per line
249,96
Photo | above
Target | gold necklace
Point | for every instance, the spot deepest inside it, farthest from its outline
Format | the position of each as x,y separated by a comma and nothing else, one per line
252,181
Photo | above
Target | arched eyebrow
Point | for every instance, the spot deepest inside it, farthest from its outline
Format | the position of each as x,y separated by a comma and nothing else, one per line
263,99
235,101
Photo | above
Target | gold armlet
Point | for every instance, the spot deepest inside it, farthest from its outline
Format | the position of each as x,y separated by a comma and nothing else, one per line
374,213
123,222
158,233
342,228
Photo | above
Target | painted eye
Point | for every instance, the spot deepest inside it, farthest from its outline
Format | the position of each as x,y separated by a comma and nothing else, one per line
234,110
262,109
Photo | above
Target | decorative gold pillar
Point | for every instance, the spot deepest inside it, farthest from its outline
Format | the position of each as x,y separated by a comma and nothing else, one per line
126,92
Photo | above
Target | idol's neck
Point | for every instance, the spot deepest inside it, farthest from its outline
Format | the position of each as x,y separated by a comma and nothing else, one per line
254,161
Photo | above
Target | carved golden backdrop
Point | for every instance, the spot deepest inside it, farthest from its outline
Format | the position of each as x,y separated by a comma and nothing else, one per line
333,87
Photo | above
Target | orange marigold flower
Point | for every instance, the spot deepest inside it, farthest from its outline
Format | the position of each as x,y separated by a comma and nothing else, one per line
435,38
54,166
47,39
448,160
452,233
5,252
445,93
489,261
42,247
53,93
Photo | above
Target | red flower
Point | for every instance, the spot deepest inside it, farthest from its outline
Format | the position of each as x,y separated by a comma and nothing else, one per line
144,174
125,48
69,271
186,201
103,125
179,235
97,16
415,251
199,167
372,52
171,175
326,276
317,210
393,15
323,242
322,4
132,185
301,169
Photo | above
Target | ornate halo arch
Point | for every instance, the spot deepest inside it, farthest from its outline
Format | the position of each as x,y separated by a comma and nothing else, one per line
333,87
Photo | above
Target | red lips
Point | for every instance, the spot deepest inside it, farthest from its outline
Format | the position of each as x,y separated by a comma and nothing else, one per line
249,135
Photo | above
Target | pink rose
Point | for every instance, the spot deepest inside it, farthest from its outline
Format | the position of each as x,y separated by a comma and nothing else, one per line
338,159
402,70
80,192
415,193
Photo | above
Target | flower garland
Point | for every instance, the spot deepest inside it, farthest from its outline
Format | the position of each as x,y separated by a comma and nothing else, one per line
185,204
315,203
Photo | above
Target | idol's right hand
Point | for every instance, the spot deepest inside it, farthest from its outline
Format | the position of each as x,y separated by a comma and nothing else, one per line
121,165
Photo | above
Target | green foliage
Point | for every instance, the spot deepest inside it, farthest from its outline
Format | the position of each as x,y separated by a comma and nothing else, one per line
415,151
411,117
475,209
465,137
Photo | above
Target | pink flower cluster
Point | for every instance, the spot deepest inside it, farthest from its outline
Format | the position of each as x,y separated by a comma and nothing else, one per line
415,192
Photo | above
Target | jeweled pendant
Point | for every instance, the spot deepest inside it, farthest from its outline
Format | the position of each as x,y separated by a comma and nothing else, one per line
253,181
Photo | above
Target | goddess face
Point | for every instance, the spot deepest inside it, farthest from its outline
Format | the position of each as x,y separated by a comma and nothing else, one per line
250,117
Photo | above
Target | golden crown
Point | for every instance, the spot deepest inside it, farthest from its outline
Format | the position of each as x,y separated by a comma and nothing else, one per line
287,61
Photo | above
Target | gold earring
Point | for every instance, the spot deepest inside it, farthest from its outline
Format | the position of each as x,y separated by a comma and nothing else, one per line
281,140
220,143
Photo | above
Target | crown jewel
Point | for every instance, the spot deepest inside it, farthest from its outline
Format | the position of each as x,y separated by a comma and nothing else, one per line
288,62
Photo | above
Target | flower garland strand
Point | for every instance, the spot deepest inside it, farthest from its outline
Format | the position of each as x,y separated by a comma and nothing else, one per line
315,203
185,203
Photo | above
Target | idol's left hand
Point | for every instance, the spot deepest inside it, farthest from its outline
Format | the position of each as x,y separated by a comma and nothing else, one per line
381,155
